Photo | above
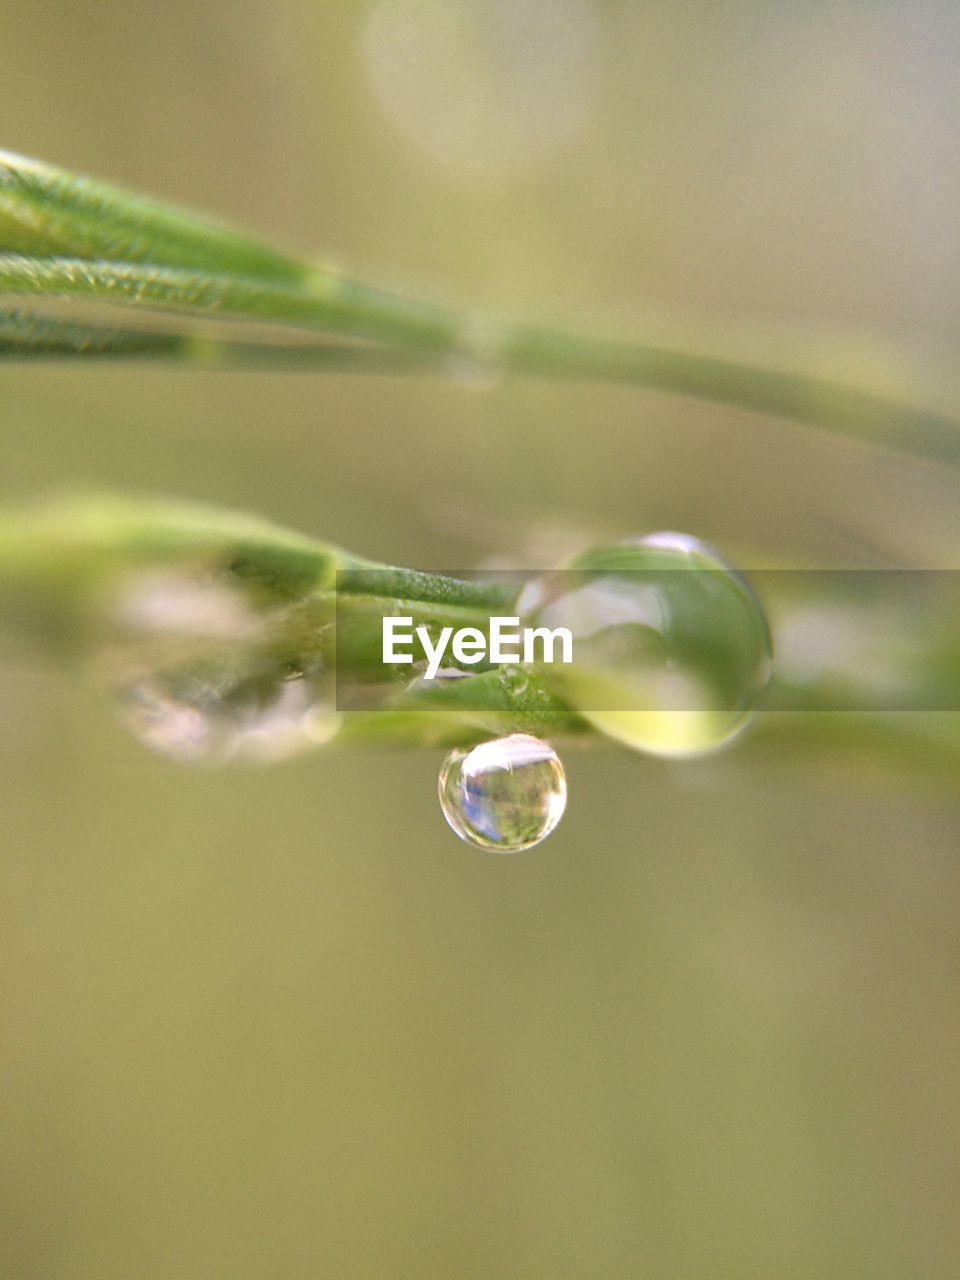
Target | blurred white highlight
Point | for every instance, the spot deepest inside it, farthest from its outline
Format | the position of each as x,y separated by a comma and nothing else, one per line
489,86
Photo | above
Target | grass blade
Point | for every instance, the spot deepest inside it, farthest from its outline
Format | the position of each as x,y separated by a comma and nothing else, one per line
47,212
63,237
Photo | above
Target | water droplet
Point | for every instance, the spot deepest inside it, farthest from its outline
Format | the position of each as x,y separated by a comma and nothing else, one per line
201,673
671,646
516,679
204,718
504,795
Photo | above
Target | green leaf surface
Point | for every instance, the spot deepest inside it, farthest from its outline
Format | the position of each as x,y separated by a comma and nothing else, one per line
46,212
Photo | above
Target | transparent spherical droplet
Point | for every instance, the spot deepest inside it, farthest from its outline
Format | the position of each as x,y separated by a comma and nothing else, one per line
198,670
671,648
505,795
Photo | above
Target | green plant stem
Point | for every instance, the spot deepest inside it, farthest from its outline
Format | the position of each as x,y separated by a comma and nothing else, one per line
423,340
56,558
68,237
330,304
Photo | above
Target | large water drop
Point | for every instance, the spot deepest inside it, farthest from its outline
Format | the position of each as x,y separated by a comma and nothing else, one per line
671,646
201,671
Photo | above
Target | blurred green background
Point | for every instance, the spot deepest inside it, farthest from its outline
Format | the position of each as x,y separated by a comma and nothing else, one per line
279,1022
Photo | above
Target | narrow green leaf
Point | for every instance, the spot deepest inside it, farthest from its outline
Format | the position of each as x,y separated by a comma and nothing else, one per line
64,237
26,334
332,305
45,211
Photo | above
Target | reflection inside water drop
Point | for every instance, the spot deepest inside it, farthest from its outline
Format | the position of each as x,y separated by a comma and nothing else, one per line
505,795
672,648
201,671
203,723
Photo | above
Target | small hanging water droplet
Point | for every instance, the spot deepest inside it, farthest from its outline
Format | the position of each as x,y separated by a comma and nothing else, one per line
504,795
671,646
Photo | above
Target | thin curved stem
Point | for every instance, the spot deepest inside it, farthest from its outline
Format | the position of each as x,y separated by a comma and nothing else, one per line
68,237
415,337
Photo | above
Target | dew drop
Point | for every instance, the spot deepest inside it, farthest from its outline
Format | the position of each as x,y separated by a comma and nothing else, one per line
199,671
199,718
504,795
516,679
671,646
